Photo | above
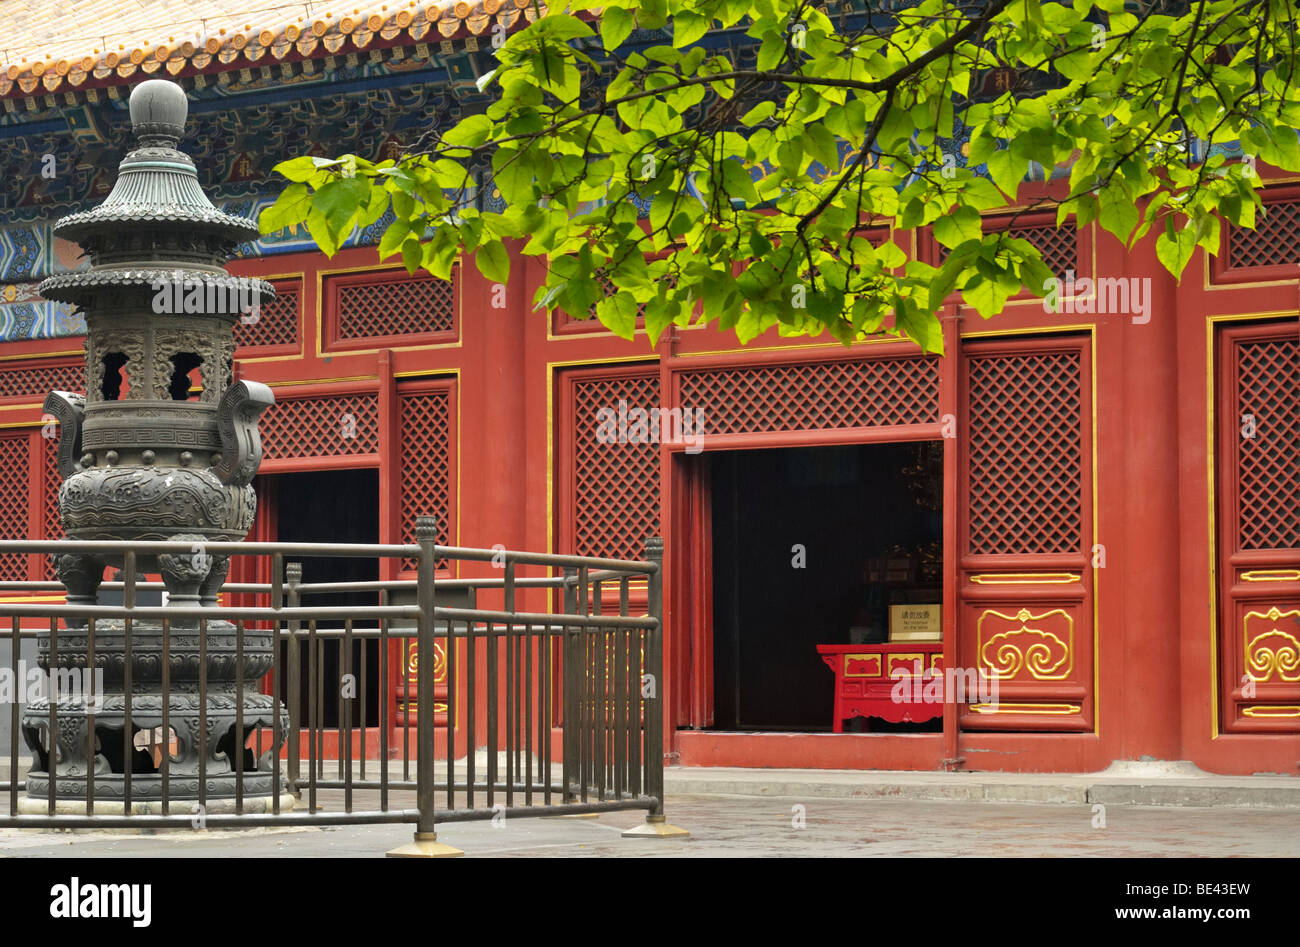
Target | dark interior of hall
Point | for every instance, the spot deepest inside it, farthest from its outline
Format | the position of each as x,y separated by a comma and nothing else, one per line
811,546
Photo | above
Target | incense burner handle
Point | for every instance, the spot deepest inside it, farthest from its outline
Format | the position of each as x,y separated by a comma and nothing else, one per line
68,407
241,442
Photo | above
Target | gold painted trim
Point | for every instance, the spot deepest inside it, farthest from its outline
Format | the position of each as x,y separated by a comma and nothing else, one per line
1271,575
36,423
1024,617
911,658
1037,330
1057,709
862,657
380,268
37,356
30,599
322,381
1265,710
1026,578
1282,659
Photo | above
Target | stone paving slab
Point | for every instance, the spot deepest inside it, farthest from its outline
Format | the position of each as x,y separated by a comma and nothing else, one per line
743,827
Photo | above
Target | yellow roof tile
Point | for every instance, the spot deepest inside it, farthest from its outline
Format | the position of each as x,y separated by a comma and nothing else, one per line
46,47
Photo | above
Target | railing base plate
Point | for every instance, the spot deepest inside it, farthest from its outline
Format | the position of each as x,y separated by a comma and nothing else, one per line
425,846
656,828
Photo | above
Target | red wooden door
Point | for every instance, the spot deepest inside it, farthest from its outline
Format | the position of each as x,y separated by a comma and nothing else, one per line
1026,617
1258,534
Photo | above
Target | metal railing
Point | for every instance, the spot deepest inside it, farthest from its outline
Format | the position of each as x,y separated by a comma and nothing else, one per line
200,708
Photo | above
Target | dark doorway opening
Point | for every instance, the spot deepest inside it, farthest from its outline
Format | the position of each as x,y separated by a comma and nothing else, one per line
812,546
334,506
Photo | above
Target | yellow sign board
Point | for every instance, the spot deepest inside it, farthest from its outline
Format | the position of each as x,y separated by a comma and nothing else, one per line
915,623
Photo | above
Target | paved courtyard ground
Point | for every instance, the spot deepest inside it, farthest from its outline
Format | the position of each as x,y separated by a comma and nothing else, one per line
744,826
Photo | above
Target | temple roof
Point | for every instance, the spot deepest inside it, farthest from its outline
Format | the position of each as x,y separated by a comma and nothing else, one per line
46,48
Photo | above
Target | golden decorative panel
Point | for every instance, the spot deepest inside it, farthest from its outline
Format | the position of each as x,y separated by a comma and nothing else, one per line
862,665
1047,655
1270,650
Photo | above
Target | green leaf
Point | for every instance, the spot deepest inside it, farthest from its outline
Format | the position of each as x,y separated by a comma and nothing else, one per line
289,210
1175,248
688,27
956,228
469,132
493,261
1007,171
616,25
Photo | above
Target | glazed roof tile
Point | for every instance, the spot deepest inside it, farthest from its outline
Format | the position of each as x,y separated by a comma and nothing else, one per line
48,47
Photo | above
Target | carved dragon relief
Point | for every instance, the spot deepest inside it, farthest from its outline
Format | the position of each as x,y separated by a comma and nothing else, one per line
68,407
241,441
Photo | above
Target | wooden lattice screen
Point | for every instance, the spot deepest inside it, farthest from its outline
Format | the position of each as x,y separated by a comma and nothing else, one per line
1025,453
1258,435
1026,589
36,381
426,475
277,319
614,486
1268,463
390,303
1273,241
14,479
814,395
329,426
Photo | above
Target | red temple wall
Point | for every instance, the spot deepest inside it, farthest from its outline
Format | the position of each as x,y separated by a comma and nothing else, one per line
1077,435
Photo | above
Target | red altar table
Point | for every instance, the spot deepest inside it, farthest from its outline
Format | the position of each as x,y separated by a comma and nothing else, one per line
866,675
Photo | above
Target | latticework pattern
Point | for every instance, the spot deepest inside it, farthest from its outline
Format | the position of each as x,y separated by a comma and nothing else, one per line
814,396
53,528
14,477
1026,453
39,380
425,419
385,306
277,320
1268,406
1272,241
616,485
321,427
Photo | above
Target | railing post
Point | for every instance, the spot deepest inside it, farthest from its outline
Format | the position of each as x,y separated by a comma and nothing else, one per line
426,844
655,825
569,672
293,675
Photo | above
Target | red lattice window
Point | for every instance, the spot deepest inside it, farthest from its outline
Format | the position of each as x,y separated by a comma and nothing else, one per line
1272,242
425,420
277,319
328,426
36,381
14,478
612,488
814,395
1025,463
1268,449
389,304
